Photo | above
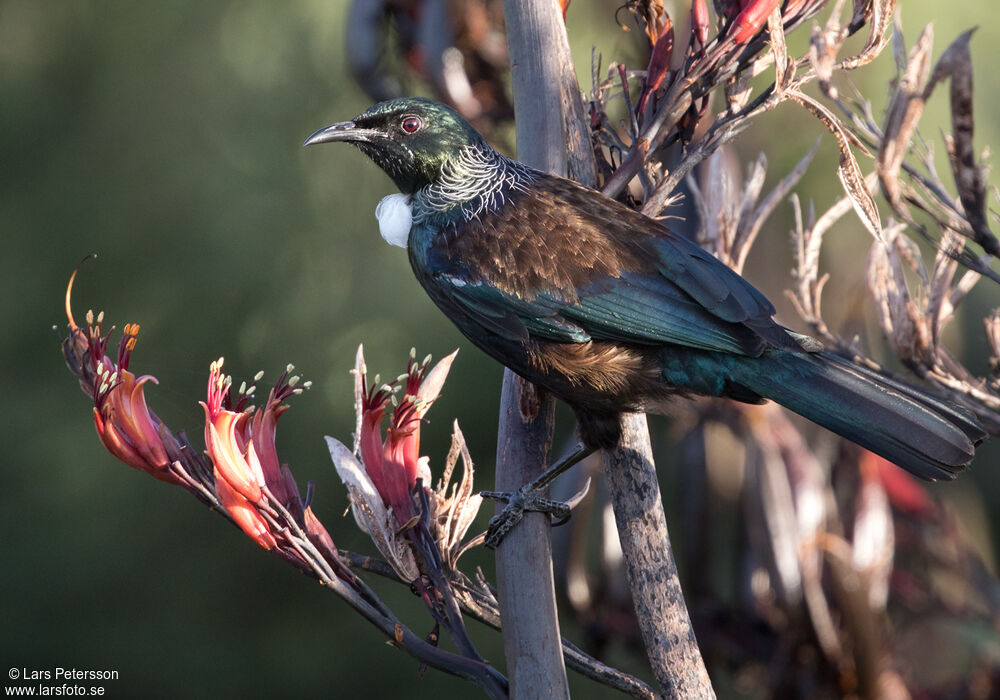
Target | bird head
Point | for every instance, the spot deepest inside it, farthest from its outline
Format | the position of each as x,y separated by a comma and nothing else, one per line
410,138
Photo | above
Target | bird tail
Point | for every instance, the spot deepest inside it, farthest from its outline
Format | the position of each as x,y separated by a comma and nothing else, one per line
926,436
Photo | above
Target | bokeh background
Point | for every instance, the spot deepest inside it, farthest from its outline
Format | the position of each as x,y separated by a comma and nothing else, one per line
165,137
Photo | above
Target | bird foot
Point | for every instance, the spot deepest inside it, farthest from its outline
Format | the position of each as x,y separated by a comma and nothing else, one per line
523,500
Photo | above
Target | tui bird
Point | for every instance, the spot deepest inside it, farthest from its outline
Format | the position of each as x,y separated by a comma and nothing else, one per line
609,310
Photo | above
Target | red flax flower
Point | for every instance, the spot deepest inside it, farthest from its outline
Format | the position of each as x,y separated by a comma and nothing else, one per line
659,62
418,530
382,483
125,424
753,15
241,443
699,21
393,464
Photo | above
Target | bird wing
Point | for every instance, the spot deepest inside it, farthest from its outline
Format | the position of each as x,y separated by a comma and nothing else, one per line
641,309
504,314
565,264
648,309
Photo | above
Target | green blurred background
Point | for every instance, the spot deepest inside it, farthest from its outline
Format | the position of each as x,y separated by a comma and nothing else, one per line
166,138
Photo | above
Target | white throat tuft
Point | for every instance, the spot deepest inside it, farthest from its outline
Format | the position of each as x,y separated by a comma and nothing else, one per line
395,216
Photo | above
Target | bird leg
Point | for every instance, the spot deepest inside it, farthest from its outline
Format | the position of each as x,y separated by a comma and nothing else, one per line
530,498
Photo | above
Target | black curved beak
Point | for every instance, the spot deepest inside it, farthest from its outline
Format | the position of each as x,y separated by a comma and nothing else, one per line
341,131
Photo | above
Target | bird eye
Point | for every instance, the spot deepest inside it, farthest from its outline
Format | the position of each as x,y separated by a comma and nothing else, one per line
411,124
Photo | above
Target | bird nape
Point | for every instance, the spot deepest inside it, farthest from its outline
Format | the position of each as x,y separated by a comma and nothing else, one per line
609,310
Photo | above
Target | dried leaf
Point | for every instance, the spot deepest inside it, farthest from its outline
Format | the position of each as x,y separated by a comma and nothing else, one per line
956,63
652,15
910,253
887,284
738,91
942,295
862,12
824,44
963,287
783,68
849,171
457,511
792,10
756,173
939,288
717,204
898,45
992,323
433,382
359,372
880,12
904,112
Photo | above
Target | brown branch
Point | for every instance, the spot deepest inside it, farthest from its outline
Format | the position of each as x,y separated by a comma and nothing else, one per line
652,574
525,586
544,86
479,604
678,667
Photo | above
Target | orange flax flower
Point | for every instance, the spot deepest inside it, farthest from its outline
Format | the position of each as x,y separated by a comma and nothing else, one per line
125,424
244,514
244,477
241,443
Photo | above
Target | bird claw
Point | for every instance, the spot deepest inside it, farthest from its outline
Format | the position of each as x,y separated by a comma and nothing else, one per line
523,500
